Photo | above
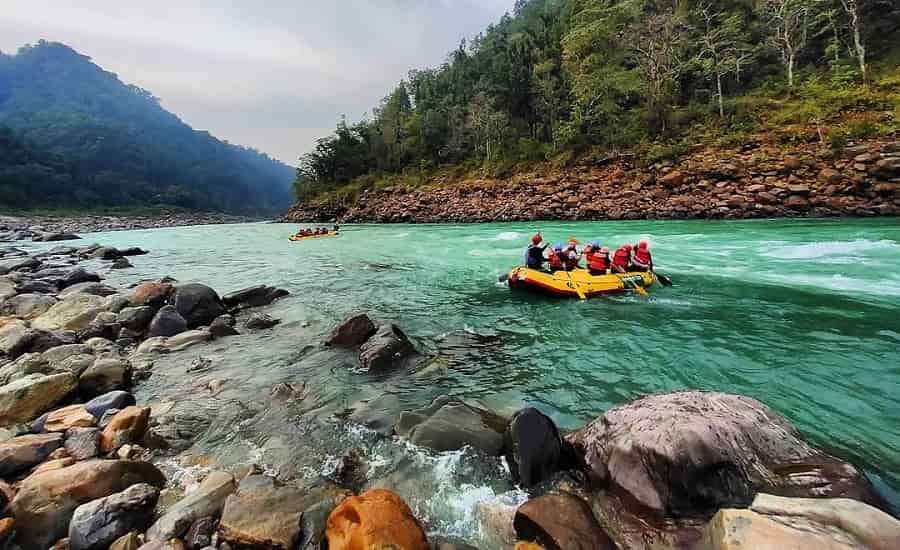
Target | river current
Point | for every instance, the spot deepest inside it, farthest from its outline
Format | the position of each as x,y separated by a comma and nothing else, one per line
803,315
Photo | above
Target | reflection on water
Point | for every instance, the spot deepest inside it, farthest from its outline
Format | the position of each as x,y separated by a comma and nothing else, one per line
799,314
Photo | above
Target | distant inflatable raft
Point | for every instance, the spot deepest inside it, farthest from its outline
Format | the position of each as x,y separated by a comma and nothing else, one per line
564,284
307,237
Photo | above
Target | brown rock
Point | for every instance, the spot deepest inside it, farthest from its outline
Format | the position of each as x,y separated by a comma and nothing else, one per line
7,530
672,180
25,451
767,198
131,541
796,202
830,176
45,502
127,426
560,521
792,163
523,545
32,395
150,294
374,519
73,416
352,332
51,465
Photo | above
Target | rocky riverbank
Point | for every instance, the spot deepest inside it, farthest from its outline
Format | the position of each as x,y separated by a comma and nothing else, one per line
759,180
47,227
82,462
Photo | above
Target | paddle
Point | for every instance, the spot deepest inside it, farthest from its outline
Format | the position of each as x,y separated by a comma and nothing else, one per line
572,284
634,286
503,278
662,279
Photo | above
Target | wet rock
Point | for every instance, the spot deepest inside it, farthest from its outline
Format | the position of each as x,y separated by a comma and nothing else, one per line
74,313
18,264
73,416
778,522
222,326
131,541
121,263
448,424
198,304
533,448
264,514
116,303
128,426
199,535
167,322
82,443
104,326
110,400
7,531
32,395
313,523
560,522
105,375
27,306
137,318
98,523
45,502
261,321
54,237
151,294
352,332
254,296
90,287
387,348
78,275
178,342
205,501
690,453
374,519
23,452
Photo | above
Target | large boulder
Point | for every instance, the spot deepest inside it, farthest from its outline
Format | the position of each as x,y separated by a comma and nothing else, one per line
374,519
45,502
254,296
15,337
78,275
690,453
448,424
25,451
151,294
560,522
387,348
74,313
127,426
167,322
27,306
98,523
352,332
32,395
533,447
112,400
90,287
105,375
54,237
18,264
264,514
197,303
773,523
205,501
137,318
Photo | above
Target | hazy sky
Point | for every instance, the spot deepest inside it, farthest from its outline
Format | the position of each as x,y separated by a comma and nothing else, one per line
273,74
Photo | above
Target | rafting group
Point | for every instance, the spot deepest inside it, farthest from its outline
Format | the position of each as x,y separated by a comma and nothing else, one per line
308,233
558,271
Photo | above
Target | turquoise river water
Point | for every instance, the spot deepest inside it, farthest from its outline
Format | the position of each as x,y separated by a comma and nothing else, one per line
802,315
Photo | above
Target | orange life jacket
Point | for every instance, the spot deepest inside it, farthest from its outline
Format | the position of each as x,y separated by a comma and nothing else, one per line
621,258
598,262
642,256
555,260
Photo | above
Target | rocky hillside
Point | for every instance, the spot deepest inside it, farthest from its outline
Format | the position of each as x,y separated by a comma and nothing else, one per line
759,179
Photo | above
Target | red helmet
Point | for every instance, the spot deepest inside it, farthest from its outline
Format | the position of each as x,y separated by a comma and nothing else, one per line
627,247
642,244
536,238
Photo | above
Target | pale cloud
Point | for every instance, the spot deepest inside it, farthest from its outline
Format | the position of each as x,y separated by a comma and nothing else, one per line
274,75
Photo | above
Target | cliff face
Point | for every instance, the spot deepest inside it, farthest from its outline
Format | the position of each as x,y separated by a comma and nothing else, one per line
758,180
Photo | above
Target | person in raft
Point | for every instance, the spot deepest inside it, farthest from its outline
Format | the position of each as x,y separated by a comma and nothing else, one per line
534,254
598,259
571,256
642,260
622,259
556,258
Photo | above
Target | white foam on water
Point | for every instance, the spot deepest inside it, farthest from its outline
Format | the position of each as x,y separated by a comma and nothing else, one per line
840,283
484,253
509,236
823,249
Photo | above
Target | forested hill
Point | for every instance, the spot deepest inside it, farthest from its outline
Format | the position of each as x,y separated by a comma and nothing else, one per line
74,136
558,79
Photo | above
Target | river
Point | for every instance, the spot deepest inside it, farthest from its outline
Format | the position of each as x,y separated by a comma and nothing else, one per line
800,314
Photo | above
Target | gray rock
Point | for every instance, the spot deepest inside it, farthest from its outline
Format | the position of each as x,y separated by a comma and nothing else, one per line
89,287
37,286
197,304
25,451
352,332
61,353
222,326
82,443
121,263
32,395
116,303
98,523
79,275
261,321
167,322
254,296
137,318
533,447
105,375
207,500
107,417
15,337
17,264
48,339
54,237
99,405
27,306
200,533
448,424
387,348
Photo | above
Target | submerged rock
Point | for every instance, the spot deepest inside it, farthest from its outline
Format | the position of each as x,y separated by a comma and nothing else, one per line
778,522
374,519
560,522
448,424
387,348
97,524
205,501
254,296
222,326
261,321
161,344
45,502
197,303
533,448
352,332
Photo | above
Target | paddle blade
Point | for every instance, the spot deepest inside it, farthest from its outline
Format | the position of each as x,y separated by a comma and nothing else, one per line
503,278
663,279
640,290
581,294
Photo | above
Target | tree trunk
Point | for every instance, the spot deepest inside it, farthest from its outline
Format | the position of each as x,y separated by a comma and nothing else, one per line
719,91
860,48
790,70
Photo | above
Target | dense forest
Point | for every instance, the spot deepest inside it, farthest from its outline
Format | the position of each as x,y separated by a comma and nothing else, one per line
559,77
74,136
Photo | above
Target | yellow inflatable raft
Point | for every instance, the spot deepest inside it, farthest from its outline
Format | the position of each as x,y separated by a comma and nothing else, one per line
307,237
568,284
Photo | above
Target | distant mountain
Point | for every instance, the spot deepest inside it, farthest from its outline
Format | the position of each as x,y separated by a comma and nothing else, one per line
77,136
